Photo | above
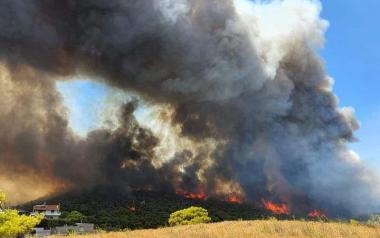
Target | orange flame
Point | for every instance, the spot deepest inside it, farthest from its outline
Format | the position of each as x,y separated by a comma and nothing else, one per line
132,209
317,214
234,199
279,209
191,195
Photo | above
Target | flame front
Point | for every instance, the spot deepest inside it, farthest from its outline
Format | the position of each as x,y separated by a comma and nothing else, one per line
317,214
192,195
234,199
279,209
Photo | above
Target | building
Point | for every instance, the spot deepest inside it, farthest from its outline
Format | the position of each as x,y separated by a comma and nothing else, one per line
50,211
79,228
40,232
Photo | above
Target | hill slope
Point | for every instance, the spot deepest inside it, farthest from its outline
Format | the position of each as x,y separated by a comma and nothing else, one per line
114,209
252,229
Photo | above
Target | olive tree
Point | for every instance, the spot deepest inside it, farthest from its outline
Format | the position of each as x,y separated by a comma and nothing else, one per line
12,224
189,216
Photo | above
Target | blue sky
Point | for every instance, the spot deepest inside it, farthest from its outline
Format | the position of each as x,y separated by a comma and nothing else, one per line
352,57
84,108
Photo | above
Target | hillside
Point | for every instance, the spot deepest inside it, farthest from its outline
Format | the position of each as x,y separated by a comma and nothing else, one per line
115,209
252,229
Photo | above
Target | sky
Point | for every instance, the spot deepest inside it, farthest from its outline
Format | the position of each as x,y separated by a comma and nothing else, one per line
352,58
84,108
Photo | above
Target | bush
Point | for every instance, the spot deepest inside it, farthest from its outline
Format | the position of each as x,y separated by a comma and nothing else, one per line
189,216
374,220
354,222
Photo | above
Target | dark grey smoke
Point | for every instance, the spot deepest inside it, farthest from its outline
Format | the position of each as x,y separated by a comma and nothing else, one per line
278,131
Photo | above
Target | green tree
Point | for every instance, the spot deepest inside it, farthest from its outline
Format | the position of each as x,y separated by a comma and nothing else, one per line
188,216
73,216
12,224
374,220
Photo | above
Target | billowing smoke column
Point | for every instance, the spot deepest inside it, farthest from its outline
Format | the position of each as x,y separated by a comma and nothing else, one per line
240,81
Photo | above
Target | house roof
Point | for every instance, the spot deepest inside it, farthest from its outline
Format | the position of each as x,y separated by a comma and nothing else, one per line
46,208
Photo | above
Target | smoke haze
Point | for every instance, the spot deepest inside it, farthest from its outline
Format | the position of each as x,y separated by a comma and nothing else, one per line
245,104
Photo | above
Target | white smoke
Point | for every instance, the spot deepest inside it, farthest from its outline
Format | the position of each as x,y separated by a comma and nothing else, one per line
275,27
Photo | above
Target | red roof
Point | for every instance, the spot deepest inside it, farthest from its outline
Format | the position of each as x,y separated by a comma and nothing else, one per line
46,208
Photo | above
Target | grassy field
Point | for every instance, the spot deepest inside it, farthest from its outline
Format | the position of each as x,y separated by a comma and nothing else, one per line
252,229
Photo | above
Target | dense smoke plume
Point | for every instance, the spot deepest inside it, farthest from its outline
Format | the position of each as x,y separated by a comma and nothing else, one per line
239,83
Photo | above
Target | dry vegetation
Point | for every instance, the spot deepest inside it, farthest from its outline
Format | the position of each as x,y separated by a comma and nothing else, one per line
252,229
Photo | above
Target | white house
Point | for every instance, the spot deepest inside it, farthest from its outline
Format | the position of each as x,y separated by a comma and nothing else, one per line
50,211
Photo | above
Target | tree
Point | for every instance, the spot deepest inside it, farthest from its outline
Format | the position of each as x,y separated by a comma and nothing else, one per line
188,216
12,224
374,220
2,200
75,216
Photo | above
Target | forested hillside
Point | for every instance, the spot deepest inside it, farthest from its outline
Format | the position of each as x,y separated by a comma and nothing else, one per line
115,209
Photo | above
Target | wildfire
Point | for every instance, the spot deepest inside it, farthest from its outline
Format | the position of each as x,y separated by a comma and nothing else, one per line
191,195
132,209
317,214
234,199
279,209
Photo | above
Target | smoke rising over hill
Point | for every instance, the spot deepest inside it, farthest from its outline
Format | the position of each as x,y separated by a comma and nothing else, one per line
240,82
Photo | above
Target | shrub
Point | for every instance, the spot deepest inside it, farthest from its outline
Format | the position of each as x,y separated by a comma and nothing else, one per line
191,215
374,220
354,222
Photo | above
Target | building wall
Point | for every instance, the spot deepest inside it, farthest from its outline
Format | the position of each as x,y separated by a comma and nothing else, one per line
78,228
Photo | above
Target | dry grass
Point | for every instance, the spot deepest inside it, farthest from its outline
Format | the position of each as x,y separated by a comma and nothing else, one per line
252,229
